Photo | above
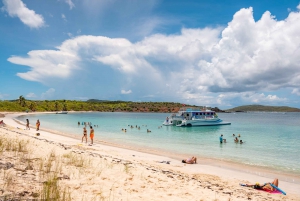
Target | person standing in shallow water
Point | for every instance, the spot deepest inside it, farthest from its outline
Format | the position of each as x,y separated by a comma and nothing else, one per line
27,124
38,125
92,134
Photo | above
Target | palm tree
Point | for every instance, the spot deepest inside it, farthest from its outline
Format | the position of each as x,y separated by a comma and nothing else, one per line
22,101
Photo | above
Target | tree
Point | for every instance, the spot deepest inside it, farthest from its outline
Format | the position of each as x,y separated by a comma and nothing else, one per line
32,106
56,106
65,108
22,101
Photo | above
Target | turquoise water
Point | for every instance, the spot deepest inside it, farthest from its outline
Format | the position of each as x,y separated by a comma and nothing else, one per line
271,139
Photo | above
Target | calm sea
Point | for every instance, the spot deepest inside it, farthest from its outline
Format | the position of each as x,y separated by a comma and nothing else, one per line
272,140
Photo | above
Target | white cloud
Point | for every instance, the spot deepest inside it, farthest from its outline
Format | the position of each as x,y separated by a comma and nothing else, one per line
48,94
70,3
46,64
3,95
197,64
64,17
296,91
16,8
126,92
298,7
31,95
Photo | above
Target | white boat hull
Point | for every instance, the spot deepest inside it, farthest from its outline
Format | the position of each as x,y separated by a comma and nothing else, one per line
196,122
202,123
62,112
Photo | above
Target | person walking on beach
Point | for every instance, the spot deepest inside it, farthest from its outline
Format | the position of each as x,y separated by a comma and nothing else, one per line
92,135
27,124
38,125
84,135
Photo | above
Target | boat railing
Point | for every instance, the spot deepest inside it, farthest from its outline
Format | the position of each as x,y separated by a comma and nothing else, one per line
189,109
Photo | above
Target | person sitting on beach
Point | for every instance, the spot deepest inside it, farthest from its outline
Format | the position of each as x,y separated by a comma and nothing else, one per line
241,142
148,131
265,187
190,160
236,140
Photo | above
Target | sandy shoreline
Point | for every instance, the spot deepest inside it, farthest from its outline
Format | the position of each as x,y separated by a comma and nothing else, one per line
201,181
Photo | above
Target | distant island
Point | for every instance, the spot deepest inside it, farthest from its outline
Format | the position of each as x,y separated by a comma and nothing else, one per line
24,105
263,108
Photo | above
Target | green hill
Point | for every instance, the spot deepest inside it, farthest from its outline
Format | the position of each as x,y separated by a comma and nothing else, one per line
263,108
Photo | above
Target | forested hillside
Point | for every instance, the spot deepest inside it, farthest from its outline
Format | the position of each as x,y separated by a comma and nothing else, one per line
263,108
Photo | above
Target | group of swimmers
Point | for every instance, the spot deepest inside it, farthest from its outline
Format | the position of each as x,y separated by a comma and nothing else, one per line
87,124
236,140
136,126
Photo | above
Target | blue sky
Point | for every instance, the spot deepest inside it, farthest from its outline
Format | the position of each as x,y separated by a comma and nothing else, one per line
214,53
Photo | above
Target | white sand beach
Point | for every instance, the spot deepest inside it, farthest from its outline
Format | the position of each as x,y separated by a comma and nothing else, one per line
30,165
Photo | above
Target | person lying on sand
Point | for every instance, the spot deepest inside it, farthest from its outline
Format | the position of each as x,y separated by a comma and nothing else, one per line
2,123
266,186
190,160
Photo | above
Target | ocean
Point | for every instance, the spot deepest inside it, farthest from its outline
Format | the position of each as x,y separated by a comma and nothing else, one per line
272,140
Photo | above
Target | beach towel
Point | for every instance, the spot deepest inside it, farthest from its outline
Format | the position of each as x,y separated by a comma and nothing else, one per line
276,191
272,192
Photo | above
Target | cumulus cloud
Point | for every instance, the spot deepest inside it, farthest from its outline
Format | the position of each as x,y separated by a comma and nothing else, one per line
31,95
16,8
48,94
126,92
245,57
296,91
46,64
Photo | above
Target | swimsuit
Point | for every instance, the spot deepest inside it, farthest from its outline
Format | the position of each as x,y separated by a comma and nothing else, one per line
92,134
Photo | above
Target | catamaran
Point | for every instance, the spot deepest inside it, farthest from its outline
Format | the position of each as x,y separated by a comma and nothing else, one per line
193,116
